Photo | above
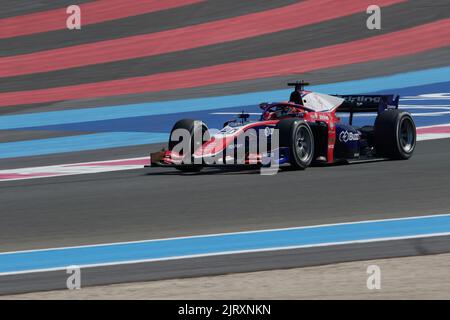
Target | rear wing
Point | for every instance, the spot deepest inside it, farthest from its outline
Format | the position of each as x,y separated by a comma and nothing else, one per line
367,103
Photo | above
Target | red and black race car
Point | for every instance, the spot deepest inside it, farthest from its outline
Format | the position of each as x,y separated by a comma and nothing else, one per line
304,130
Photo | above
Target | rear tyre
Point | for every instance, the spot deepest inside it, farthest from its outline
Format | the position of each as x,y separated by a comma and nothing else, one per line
297,136
194,127
395,134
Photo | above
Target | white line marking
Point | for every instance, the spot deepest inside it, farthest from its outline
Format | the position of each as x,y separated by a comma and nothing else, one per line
228,253
415,114
435,125
433,136
109,166
428,106
230,233
431,114
406,99
237,113
73,169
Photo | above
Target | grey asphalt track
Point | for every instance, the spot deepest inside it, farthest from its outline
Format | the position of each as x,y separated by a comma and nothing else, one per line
160,203
217,265
136,205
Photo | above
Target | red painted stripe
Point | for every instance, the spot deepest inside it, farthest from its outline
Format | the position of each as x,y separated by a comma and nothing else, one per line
91,12
15,176
436,129
396,44
113,163
289,17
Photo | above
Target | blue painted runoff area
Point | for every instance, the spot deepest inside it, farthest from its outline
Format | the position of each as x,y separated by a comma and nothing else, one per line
140,124
403,80
78,143
224,243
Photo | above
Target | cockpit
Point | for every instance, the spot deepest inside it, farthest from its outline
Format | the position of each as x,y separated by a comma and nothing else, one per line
281,110
300,101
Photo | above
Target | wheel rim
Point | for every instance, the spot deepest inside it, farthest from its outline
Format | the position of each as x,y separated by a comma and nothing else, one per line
406,135
303,144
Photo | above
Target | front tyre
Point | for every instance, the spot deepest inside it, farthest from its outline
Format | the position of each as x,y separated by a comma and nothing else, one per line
195,128
297,136
395,134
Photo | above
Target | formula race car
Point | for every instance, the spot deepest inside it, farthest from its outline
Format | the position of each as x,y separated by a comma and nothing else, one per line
299,132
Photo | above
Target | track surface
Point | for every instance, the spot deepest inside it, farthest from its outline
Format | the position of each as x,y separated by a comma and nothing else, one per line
161,203
217,265
134,205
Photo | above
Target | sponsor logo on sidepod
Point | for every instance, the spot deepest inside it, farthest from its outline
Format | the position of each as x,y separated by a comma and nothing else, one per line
346,136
